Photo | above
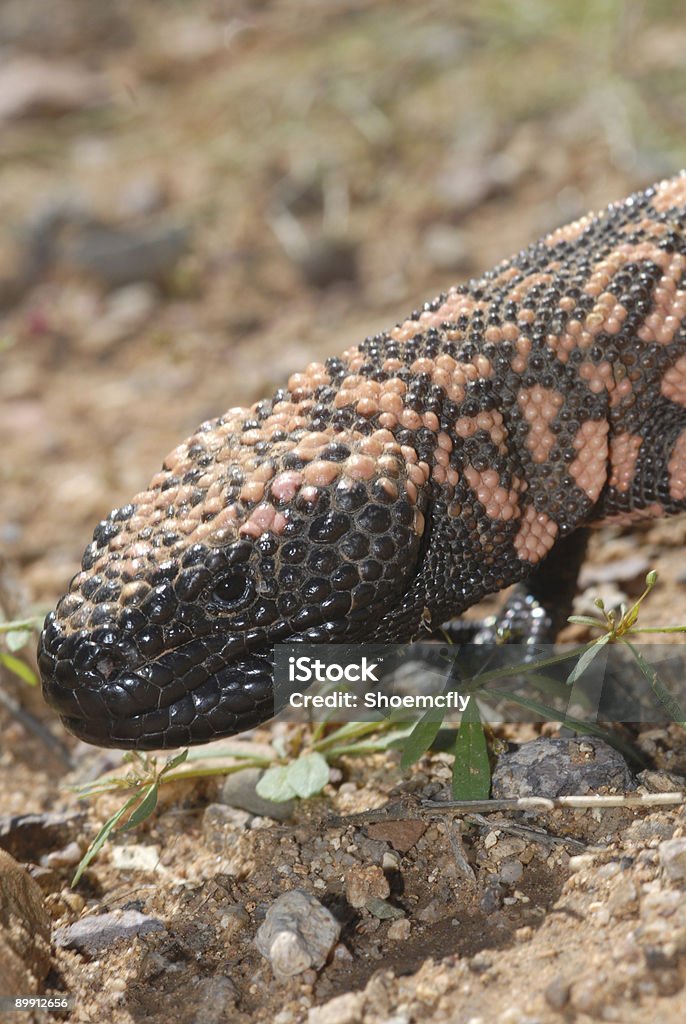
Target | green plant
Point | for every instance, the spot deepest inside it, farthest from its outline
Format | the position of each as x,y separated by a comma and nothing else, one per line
13,636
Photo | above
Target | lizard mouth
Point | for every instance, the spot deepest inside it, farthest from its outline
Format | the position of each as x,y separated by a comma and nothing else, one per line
196,692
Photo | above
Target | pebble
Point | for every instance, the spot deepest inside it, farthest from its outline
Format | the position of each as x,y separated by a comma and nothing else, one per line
135,857
214,1000
97,932
345,1009
510,871
556,767
363,884
399,931
298,933
234,920
68,856
384,910
432,912
672,854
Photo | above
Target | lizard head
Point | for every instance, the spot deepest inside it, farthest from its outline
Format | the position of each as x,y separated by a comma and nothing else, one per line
265,527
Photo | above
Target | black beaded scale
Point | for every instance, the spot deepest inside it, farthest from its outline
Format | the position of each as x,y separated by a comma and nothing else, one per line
387,490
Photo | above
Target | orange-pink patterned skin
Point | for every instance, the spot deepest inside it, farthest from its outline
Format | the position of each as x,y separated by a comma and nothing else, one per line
392,486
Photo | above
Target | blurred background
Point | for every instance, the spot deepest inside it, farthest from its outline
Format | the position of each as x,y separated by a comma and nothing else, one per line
198,197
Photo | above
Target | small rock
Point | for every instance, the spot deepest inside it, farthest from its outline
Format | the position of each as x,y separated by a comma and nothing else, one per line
345,1009
623,901
402,835
557,993
67,857
238,790
91,934
24,930
135,857
234,920
510,871
672,854
660,781
642,830
432,912
298,933
399,931
555,767
214,1000
492,898
390,861
384,910
365,883
480,963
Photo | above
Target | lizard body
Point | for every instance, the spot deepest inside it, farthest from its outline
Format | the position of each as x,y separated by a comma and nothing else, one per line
389,487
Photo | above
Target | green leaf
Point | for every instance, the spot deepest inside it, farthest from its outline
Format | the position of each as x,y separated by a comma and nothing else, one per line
173,762
420,739
669,702
347,732
102,837
471,770
586,658
19,668
586,620
274,785
147,805
17,638
308,775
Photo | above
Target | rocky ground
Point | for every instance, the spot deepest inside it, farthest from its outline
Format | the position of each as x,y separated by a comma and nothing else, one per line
195,199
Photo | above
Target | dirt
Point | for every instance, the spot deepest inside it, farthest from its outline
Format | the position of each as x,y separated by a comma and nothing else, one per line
332,169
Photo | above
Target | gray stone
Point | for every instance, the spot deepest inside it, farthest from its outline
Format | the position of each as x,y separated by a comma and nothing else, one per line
557,767
345,1009
672,854
298,933
91,934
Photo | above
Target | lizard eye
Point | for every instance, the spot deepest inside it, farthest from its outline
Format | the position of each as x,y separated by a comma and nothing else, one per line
233,590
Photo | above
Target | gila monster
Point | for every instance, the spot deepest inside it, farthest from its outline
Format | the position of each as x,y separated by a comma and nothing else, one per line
388,489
